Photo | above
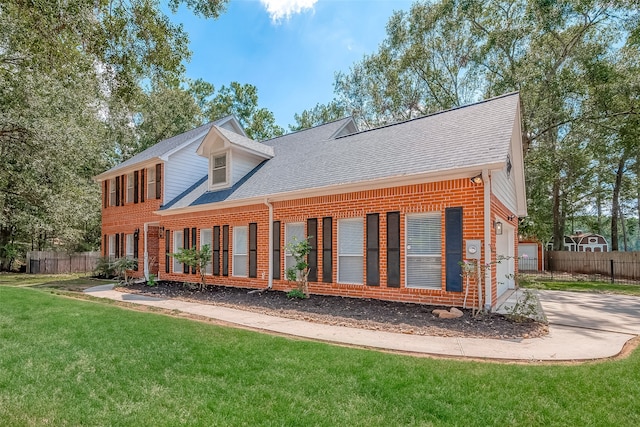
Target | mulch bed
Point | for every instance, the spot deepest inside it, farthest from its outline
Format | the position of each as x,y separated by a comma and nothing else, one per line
372,314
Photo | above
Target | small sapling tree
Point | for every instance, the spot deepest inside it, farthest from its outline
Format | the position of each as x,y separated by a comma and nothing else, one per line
195,258
299,272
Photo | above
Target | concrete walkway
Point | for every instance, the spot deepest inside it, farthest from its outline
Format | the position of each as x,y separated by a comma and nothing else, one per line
564,341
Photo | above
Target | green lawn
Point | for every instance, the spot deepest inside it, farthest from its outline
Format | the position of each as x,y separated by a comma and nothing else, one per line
79,362
584,286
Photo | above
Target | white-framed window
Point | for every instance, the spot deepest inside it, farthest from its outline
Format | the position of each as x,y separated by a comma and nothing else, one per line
219,169
129,246
151,182
350,250
112,192
206,238
130,187
424,251
240,248
292,231
178,243
112,246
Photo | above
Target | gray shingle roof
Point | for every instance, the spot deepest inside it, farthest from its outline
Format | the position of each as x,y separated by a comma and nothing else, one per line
245,142
165,146
466,137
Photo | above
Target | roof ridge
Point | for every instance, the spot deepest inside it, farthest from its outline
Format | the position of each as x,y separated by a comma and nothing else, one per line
307,129
460,107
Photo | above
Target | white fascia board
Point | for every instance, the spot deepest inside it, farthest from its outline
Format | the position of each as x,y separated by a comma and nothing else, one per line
123,171
397,181
518,160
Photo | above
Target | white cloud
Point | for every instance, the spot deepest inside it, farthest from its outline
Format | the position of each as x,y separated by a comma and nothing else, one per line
284,9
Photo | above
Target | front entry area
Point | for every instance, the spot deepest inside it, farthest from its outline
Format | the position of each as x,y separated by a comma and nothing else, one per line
505,252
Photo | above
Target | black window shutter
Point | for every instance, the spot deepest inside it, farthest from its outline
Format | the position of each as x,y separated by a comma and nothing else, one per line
393,249
105,193
117,251
117,191
142,186
122,245
194,239
373,249
136,189
253,249
158,181
453,248
276,250
123,189
216,250
327,252
185,240
136,237
105,249
225,250
312,258
167,250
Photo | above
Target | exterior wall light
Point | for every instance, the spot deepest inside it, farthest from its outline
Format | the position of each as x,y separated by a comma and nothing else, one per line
498,228
477,179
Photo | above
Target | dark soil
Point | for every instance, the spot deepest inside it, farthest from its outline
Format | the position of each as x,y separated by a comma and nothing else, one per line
354,312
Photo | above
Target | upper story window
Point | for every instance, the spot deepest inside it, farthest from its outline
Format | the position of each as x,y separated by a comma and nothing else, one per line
218,170
151,182
112,192
130,187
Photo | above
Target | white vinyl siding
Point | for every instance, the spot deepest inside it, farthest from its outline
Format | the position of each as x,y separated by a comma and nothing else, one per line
184,168
240,251
219,167
350,250
206,238
112,192
112,246
291,230
178,243
424,251
129,246
151,182
243,163
130,187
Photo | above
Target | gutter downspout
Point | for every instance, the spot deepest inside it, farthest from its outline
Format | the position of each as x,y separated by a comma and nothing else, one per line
270,251
486,178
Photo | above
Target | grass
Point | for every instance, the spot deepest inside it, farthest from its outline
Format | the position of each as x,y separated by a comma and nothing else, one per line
78,362
585,286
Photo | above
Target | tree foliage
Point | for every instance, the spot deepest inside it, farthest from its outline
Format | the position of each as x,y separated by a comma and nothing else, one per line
195,258
575,64
84,85
318,115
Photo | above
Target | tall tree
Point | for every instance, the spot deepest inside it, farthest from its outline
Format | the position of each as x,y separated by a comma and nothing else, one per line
241,100
70,74
320,114
447,53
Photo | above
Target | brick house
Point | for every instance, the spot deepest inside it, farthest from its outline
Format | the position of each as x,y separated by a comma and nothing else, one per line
391,211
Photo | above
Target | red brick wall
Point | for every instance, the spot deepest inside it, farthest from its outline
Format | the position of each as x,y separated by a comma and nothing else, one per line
419,198
128,217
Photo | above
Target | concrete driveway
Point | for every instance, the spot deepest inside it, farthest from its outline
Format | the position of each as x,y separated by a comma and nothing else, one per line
613,313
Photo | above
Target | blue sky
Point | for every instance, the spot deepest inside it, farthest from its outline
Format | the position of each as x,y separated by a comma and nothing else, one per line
289,49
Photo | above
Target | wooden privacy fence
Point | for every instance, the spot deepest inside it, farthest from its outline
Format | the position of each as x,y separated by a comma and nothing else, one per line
612,265
48,262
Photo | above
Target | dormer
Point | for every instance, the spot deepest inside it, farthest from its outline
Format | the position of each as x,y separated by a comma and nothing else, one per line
231,156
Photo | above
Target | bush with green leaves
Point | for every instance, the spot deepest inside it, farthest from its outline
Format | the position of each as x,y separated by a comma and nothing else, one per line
299,273
296,294
104,268
195,258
